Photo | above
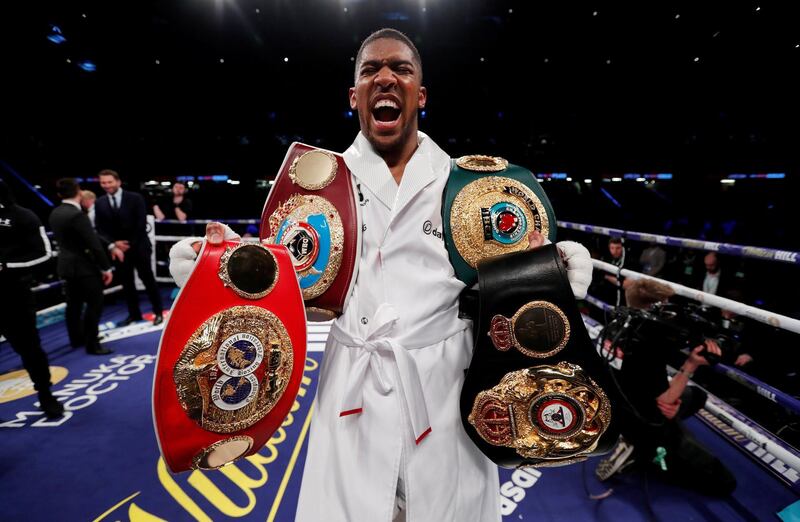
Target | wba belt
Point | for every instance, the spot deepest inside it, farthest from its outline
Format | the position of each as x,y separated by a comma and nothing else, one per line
311,210
534,392
231,356
489,209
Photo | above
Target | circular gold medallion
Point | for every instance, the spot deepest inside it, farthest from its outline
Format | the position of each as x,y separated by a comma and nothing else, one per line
313,170
540,329
249,269
493,216
223,452
234,369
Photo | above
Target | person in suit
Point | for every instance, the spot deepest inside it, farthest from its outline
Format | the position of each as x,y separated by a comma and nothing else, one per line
120,217
83,264
24,245
88,199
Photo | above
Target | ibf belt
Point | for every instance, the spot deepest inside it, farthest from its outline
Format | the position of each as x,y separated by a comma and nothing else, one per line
535,392
490,207
311,211
231,356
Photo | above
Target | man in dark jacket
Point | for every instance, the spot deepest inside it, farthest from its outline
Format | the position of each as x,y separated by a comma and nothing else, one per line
83,264
120,217
23,244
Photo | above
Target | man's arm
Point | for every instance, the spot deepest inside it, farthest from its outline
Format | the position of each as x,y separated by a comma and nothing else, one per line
669,401
34,247
83,228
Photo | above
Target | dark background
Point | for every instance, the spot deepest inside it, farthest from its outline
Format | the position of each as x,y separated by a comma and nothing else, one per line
593,89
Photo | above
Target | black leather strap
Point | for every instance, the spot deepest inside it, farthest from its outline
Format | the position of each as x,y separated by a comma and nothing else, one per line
508,283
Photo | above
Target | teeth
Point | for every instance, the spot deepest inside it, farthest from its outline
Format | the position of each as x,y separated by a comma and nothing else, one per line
386,103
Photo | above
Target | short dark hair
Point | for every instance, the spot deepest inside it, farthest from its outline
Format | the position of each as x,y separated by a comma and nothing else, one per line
392,34
615,241
67,188
109,172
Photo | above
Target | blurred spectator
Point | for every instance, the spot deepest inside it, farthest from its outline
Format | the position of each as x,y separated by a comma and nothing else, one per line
121,219
652,260
88,199
716,281
176,207
23,244
608,287
84,266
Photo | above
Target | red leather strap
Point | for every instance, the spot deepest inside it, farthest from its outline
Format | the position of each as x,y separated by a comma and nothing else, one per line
340,194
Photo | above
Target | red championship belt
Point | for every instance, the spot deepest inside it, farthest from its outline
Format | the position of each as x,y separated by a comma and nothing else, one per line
231,356
311,210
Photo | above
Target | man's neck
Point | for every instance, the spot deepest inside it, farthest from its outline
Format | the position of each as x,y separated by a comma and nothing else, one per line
397,159
73,201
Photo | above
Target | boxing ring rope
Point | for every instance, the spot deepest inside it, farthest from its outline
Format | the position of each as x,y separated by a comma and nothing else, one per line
770,318
767,254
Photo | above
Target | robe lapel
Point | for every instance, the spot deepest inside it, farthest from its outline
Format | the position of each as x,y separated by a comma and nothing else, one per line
371,170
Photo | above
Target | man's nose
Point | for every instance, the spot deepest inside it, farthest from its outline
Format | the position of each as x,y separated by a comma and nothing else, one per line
385,77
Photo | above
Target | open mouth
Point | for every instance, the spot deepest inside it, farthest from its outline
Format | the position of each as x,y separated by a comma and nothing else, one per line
386,112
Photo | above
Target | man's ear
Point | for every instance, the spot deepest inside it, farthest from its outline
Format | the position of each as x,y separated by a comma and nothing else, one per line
423,97
352,96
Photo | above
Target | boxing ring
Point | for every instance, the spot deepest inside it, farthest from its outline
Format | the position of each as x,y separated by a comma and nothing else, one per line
107,429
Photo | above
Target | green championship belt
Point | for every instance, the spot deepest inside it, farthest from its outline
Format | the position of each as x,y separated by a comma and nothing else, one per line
489,209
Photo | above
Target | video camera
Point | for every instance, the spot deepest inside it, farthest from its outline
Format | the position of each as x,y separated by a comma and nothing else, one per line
668,326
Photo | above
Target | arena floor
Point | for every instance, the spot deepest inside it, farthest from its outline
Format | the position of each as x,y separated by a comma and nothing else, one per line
101,461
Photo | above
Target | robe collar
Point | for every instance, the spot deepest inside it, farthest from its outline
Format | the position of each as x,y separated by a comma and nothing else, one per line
426,164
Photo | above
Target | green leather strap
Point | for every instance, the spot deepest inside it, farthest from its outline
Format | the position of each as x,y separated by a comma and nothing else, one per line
458,180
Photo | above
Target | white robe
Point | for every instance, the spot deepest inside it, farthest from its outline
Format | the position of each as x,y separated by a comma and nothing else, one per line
394,365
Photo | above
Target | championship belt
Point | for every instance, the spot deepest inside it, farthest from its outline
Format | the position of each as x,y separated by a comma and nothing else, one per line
311,210
534,393
489,209
231,356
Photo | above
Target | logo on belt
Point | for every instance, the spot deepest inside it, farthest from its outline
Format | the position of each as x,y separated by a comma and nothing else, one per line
492,216
555,413
311,229
539,329
234,369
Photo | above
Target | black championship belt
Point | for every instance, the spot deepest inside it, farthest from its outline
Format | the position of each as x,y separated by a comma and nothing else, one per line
311,210
231,356
534,392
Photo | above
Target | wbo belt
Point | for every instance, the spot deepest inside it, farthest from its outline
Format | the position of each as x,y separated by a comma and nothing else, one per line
489,208
231,356
534,393
377,342
311,210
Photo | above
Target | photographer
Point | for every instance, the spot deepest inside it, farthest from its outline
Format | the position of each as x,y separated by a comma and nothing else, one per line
653,438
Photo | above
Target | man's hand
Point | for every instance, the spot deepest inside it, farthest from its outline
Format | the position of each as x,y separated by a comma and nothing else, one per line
183,254
122,245
117,254
215,234
535,240
743,359
695,359
158,213
108,275
668,410
578,263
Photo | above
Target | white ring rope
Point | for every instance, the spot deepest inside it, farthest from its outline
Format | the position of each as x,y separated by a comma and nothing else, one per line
764,316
